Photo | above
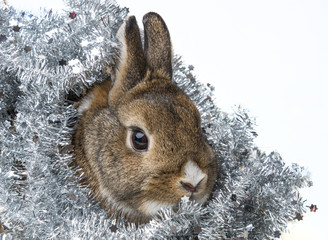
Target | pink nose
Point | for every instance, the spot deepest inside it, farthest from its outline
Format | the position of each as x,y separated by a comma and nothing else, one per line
189,187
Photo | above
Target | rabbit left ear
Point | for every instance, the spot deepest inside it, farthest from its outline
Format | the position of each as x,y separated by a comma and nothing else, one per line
132,65
158,48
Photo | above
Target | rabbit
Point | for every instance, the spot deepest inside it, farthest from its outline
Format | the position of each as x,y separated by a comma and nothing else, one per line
138,141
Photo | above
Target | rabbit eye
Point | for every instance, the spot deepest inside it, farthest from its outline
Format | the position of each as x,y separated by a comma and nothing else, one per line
139,140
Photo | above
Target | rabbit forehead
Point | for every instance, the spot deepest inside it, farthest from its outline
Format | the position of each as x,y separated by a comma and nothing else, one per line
156,102
155,112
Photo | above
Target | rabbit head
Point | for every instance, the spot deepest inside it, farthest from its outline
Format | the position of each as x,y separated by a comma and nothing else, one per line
144,149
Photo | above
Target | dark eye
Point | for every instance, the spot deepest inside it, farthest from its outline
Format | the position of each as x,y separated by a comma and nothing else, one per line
139,140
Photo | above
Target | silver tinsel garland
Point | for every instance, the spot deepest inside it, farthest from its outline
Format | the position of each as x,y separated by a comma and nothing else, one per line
42,60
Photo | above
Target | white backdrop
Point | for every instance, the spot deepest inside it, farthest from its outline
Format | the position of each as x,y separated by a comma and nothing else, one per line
270,57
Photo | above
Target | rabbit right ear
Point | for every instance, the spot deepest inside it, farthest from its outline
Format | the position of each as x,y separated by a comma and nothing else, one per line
132,64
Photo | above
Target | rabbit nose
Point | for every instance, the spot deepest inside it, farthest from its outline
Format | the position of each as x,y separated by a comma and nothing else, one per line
192,177
189,187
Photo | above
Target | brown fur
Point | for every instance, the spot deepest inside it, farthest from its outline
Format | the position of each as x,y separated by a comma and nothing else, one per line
143,96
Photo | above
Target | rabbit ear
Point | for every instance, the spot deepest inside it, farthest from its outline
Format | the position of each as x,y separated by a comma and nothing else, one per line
132,64
157,45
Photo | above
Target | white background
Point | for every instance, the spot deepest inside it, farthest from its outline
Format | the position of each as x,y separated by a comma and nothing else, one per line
270,57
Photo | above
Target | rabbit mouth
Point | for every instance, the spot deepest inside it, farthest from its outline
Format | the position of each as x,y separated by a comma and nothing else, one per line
199,198
152,207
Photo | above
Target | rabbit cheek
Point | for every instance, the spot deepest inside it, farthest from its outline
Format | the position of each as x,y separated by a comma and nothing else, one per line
160,195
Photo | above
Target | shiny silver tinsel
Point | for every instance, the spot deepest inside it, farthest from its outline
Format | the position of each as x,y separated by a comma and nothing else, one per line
42,60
